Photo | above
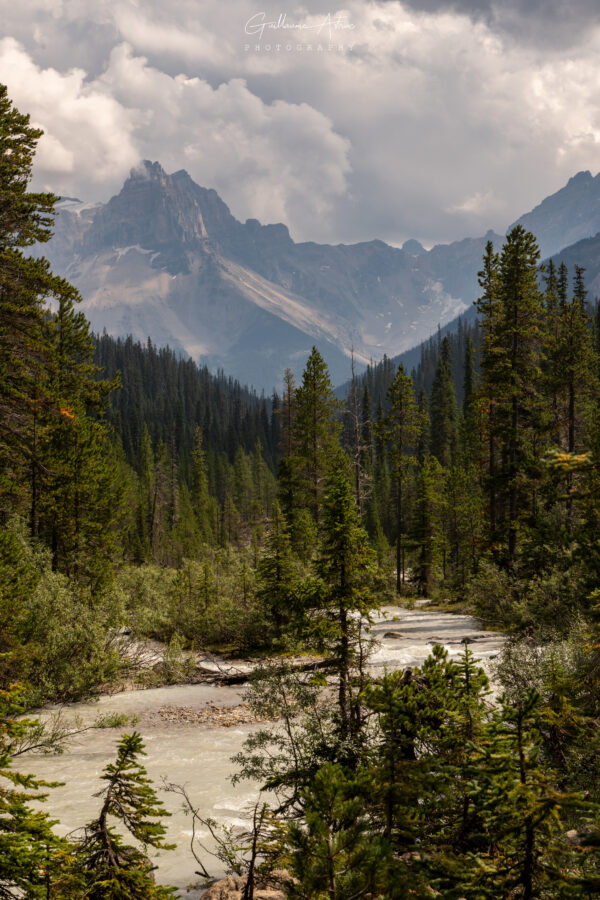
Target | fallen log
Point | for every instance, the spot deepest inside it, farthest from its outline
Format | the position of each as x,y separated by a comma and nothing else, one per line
227,679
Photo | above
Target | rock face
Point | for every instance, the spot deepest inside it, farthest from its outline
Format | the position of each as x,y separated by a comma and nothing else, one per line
166,259
567,216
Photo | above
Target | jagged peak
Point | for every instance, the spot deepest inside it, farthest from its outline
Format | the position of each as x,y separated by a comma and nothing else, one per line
146,169
414,247
582,177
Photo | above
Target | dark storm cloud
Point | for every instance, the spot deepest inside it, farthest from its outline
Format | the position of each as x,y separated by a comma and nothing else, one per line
539,22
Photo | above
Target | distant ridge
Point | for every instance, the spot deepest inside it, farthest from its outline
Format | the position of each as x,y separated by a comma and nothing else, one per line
166,259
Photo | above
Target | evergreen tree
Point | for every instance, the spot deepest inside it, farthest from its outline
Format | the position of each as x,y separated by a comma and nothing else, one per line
287,470
31,855
511,307
576,378
429,536
521,808
346,568
337,855
469,423
277,576
442,409
25,285
488,306
400,430
113,870
315,430
199,488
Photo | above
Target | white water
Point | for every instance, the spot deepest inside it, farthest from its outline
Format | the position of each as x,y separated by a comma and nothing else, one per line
199,756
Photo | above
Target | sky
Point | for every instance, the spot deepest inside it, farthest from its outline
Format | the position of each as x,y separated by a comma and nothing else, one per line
426,119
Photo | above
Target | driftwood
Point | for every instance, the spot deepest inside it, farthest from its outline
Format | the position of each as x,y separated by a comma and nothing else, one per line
230,678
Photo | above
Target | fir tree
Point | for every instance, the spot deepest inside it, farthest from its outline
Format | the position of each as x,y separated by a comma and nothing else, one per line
442,409
400,430
315,430
31,855
346,568
111,868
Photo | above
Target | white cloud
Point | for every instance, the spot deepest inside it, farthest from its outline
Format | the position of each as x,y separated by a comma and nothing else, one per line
88,134
435,126
277,161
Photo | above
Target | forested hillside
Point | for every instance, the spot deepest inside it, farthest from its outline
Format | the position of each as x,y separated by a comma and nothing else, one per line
139,493
171,395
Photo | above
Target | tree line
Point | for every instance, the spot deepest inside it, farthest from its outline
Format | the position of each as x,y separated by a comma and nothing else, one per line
139,491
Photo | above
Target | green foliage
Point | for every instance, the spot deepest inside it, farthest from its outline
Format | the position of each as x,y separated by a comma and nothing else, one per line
108,867
336,853
399,431
315,432
443,413
54,631
346,567
285,760
209,601
31,855
278,579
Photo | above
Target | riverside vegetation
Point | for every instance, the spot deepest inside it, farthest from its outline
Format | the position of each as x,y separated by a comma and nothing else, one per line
185,508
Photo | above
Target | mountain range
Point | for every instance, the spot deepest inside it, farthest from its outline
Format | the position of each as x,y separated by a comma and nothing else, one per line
166,259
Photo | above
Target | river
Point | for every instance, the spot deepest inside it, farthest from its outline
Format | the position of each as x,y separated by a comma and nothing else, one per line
200,756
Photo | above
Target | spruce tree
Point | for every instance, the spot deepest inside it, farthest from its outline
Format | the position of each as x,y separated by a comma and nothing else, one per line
277,577
512,308
25,284
287,469
429,537
489,308
199,487
469,422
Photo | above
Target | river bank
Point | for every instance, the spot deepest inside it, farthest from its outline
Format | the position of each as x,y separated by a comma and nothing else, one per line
191,732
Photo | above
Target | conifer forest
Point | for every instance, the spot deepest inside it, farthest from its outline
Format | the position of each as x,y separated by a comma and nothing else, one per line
142,495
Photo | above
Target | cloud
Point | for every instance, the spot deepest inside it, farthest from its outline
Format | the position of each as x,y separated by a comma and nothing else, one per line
552,23
479,203
446,118
278,162
86,130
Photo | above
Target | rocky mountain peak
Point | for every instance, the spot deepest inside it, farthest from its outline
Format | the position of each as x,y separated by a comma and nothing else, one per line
567,216
247,298
168,214
415,248
581,178
147,170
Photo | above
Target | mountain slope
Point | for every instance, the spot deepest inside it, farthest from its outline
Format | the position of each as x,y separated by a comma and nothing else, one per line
585,253
166,259
567,216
